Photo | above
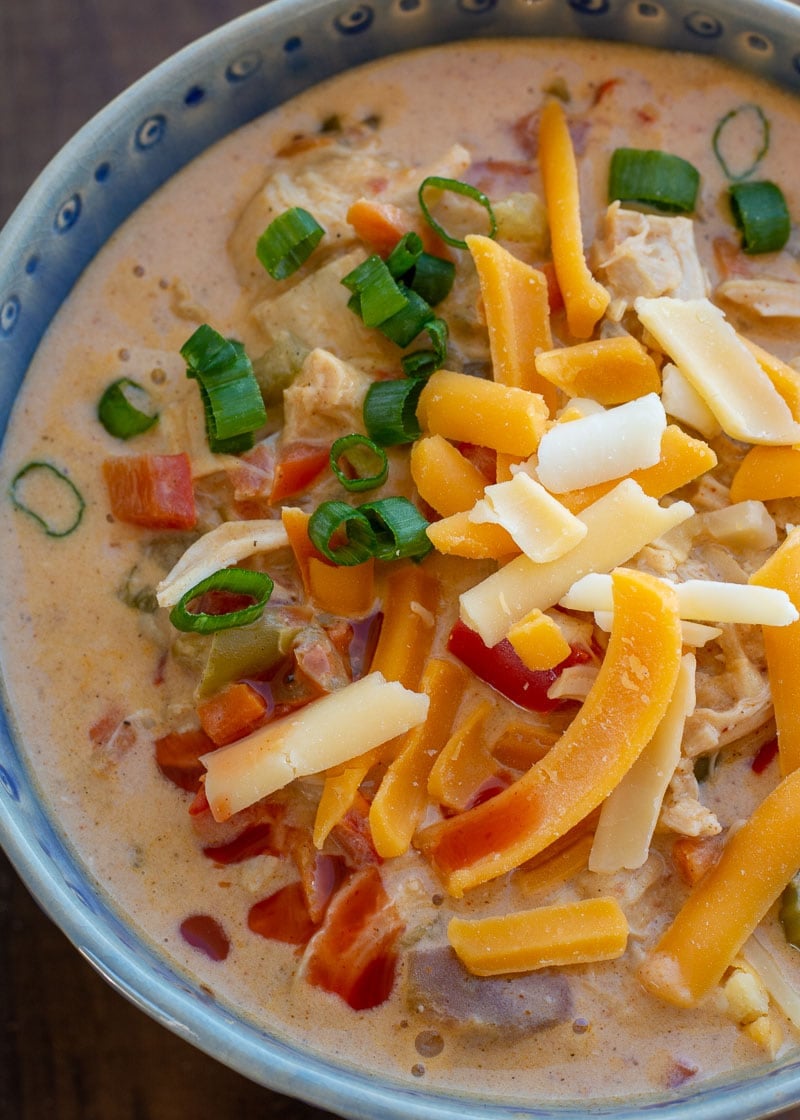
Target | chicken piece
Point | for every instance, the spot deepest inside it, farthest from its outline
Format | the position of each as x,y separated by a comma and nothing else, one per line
323,180
733,696
765,296
324,400
648,255
682,811
315,310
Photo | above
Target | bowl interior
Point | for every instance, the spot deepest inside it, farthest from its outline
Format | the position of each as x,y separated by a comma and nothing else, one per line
113,164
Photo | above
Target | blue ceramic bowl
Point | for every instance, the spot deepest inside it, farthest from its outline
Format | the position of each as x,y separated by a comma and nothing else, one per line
101,176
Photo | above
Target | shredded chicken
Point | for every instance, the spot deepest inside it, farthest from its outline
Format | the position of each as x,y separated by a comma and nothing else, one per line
765,296
322,180
316,308
325,398
733,695
648,255
682,810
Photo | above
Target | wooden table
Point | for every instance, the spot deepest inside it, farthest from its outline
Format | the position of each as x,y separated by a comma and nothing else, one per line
70,1047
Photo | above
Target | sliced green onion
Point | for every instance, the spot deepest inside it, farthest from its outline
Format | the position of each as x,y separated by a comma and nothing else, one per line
422,363
342,533
405,254
46,494
454,186
366,465
760,211
404,326
736,124
399,528
232,400
376,295
653,178
288,242
432,278
390,411
236,581
125,409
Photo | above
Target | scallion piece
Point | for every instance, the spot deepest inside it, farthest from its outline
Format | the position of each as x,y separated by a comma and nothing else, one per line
232,400
45,493
376,295
125,409
288,242
744,132
653,178
405,254
454,186
234,581
399,528
390,411
342,533
422,363
760,211
359,463
432,278
404,326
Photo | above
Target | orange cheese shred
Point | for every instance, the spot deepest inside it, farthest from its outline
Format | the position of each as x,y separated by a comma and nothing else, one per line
403,646
344,591
585,299
609,370
445,478
782,647
503,417
573,933
456,535
617,719
757,862
464,763
683,458
400,801
766,473
517,310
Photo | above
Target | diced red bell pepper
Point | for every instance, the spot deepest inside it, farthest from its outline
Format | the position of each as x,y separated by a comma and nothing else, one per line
354,953
283,916
297,466
502,668
154,491
178,757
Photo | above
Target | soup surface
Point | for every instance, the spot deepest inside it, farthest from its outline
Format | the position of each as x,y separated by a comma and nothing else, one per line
318,902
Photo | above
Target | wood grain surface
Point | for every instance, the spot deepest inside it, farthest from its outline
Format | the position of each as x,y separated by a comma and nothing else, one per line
71,1048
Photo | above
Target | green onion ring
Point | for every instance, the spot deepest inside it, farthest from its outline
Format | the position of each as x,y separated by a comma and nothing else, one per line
376,295
405,254
760,212
119,415
361,453
288,242
724,122
331,519
71,492
653,178
390,411
455,186
232,401
237,581
422,363
399,527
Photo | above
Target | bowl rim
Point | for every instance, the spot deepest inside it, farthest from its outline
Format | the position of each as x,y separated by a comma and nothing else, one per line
237,1042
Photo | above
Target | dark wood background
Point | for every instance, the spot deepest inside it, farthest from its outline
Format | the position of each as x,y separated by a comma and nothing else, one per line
70,1047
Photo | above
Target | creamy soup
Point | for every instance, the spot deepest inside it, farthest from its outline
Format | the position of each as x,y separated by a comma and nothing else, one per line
317,811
